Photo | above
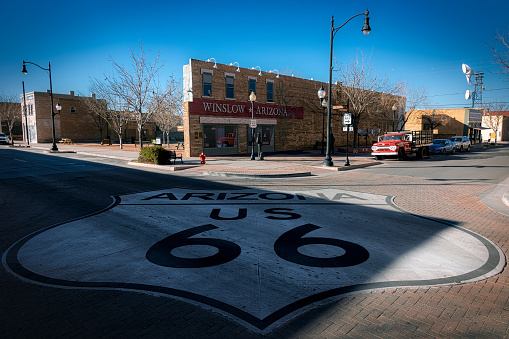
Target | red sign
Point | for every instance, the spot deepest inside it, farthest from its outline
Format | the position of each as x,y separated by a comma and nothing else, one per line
243,109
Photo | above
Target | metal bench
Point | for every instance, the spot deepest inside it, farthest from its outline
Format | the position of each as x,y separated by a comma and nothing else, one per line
175,156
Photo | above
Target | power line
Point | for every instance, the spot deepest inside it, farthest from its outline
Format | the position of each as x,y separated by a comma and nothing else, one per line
486,90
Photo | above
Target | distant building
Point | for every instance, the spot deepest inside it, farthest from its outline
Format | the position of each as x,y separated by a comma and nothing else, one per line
499,121
75,120
449,122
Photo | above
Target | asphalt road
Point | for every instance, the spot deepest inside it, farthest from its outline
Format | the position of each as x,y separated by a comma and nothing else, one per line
476,166
244,256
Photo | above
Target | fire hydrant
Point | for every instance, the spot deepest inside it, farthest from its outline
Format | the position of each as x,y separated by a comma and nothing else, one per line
202,157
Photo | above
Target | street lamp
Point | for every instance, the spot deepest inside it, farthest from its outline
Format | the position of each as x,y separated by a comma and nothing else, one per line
394,109
54,147
321,96
252,98
26,114
365,29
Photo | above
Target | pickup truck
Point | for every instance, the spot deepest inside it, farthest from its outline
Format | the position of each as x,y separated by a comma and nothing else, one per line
227,141
401,144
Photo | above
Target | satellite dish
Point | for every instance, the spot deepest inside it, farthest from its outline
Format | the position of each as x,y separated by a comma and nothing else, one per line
468,71
468,94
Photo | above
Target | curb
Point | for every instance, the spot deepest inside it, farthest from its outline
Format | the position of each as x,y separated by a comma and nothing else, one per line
164,167
346,168
257,175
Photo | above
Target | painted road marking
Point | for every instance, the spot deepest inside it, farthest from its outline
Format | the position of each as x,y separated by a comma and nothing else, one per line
259,256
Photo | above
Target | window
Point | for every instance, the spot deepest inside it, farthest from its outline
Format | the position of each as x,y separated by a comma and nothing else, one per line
207,84
230,89
73,109
252,86
219,136
270,91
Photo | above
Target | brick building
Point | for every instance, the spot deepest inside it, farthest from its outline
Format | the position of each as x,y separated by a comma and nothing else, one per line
75,120
448,122
217,110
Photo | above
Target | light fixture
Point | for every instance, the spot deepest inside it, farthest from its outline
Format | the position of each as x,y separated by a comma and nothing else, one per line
366,29
58,107
275,70
210,60
252,97
321,93
259,68
238,66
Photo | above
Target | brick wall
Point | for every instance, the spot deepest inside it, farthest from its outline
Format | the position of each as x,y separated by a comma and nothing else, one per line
290,134
75,120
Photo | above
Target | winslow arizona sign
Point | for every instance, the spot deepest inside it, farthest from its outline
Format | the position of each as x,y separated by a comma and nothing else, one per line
243,109
258,257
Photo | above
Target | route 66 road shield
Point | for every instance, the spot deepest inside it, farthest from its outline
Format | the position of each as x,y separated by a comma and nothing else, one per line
259,257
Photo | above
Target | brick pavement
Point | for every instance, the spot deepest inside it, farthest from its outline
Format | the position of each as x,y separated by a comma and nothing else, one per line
476,310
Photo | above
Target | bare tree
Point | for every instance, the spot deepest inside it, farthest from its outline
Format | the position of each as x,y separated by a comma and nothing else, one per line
166,107
410,100
111,108
10,112
433,120
384,114
362,87
286,112
500,49
134,87
98,109
492,118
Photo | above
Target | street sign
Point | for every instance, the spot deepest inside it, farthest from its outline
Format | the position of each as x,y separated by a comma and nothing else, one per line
253,123
341,108
348,129
347,119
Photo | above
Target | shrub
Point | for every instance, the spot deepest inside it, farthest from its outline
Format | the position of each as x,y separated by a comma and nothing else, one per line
154,155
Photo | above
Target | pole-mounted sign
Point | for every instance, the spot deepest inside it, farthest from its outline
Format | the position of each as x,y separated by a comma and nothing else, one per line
347,119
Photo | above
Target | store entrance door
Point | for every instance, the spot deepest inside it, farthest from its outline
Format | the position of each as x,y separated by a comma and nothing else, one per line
267,134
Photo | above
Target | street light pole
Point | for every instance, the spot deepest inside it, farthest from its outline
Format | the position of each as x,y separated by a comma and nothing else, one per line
26,114
252,98
365,29
321,96
54,147
394,108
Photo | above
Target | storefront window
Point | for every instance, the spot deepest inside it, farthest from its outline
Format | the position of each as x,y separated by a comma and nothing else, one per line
230,90
219,136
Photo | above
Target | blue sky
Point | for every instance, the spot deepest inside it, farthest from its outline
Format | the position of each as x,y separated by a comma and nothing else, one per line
424,43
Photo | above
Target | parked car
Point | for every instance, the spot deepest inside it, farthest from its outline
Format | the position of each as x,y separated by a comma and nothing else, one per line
457,145
4,139
463,141
442,146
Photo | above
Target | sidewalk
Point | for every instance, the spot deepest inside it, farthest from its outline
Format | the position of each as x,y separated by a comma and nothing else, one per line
274,165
